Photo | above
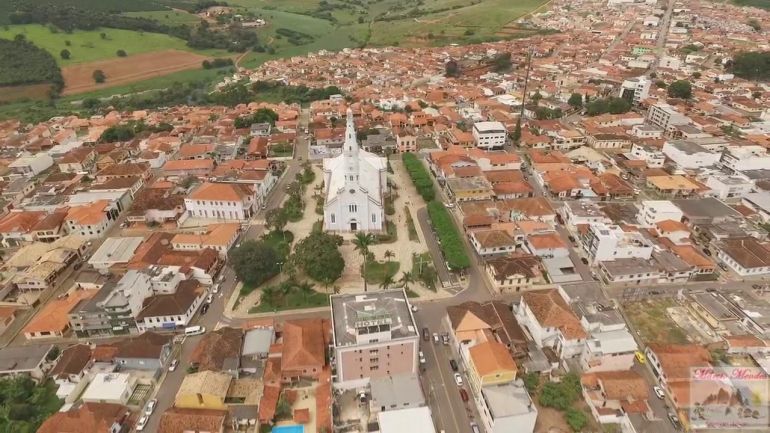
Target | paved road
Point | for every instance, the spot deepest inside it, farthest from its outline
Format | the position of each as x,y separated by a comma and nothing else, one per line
665,25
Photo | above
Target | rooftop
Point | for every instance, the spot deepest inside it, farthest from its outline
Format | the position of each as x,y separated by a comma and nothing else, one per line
371,312
508,399
116,250
399,390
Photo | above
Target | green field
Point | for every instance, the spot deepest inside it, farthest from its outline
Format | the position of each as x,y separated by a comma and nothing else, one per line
173,18
88,46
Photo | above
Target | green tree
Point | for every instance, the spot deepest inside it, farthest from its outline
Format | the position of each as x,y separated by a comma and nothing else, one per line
406,279
283,408
501,62
255,262
362,243
276,218
680,89
576,419
386,282
531,381
452,69
575,100
103,35
98,76
388,255
121,53
751,65
65,54
516,136
319,257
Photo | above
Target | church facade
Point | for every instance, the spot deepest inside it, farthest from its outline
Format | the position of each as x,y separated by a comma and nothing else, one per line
355,186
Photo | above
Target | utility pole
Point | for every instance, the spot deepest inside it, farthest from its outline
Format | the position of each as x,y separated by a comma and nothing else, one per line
524,94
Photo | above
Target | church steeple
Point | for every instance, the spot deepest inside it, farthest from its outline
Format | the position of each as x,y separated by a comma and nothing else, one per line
350,151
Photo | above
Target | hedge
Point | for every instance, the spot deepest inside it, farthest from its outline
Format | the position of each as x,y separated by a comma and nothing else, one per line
451,243
420,177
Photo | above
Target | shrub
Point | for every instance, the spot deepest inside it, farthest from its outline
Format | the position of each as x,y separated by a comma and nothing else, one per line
420,176
451,242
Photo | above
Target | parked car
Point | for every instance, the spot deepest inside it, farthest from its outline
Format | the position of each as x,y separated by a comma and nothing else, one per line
445,339
425,334
453,364
435,338
723,267
142,423
150,407
210,298
584,260
422,358
449,205
640,357
172,366
464,394
414,308
215,289
674,420
659,392
706,251
475,428
458,379
205,308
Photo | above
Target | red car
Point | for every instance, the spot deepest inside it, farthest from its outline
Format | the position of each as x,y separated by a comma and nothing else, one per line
464,394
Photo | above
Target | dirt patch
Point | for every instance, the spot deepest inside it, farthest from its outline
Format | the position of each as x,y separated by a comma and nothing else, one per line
28,91
652,320
78,78
550,420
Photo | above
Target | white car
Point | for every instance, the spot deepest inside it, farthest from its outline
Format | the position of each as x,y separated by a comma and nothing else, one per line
210,298
659,392
458,379
414,309
422,358
172,366
150,407
142,423
215,289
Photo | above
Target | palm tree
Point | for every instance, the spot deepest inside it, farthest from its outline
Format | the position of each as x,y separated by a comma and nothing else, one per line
406,279
389,255
305,289
362,242
268,295
386,282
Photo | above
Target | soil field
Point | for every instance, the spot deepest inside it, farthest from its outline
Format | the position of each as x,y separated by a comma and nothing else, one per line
28,91
78,78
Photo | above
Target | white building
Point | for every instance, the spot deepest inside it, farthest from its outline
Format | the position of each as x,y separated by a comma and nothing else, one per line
740,158
414,419
551,322
355,184
654,211
583,212
489,135
92,220
726,187
506,408
110,388
650,155
746,256
689,155
226,201
646,130
635,89
610,346
666,116
31,165
172,307
609,242
760,202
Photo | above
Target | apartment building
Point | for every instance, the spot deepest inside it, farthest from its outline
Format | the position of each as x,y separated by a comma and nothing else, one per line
547,316
655,211
489,135
636,89
228,201
653,157
741,158
666,116
689,155
374,336
605,242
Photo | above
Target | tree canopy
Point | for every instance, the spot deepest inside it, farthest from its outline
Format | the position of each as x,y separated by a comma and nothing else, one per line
255,262
24,405
22,62
612,105
262,115
575,100
319,257
752,65
680,89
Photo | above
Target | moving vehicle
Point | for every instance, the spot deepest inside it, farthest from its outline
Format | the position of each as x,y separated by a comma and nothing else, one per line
205,308
674,420
172,366
453,364
445,339
659,392
425,334
150,407
422,358
142,423
640,357
435,338
475,428
194,330
449,205
584,260
210,298
215,289
458,379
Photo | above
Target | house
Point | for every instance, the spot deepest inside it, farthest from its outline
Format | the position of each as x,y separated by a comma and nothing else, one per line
413,419
156,204
203,390
515,272
148,351
7,317
488,363
171,310
745,256
91,221
489,135
492,242
25,360
551,322
189,167
110,388
614,395
219,351
374,335
219,237
52,321
124,170
228,201
690,155
184,420
114,253
672,366
78,160
17,227
673,186
547,245
605,242
303,354
610,346
396,392
89,417
31,165
469,188
472,323
655,211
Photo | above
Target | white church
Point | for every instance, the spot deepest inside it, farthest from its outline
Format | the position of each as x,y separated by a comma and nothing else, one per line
355,185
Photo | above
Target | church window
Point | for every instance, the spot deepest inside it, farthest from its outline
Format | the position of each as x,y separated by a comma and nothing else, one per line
374,217
332,216
353,208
